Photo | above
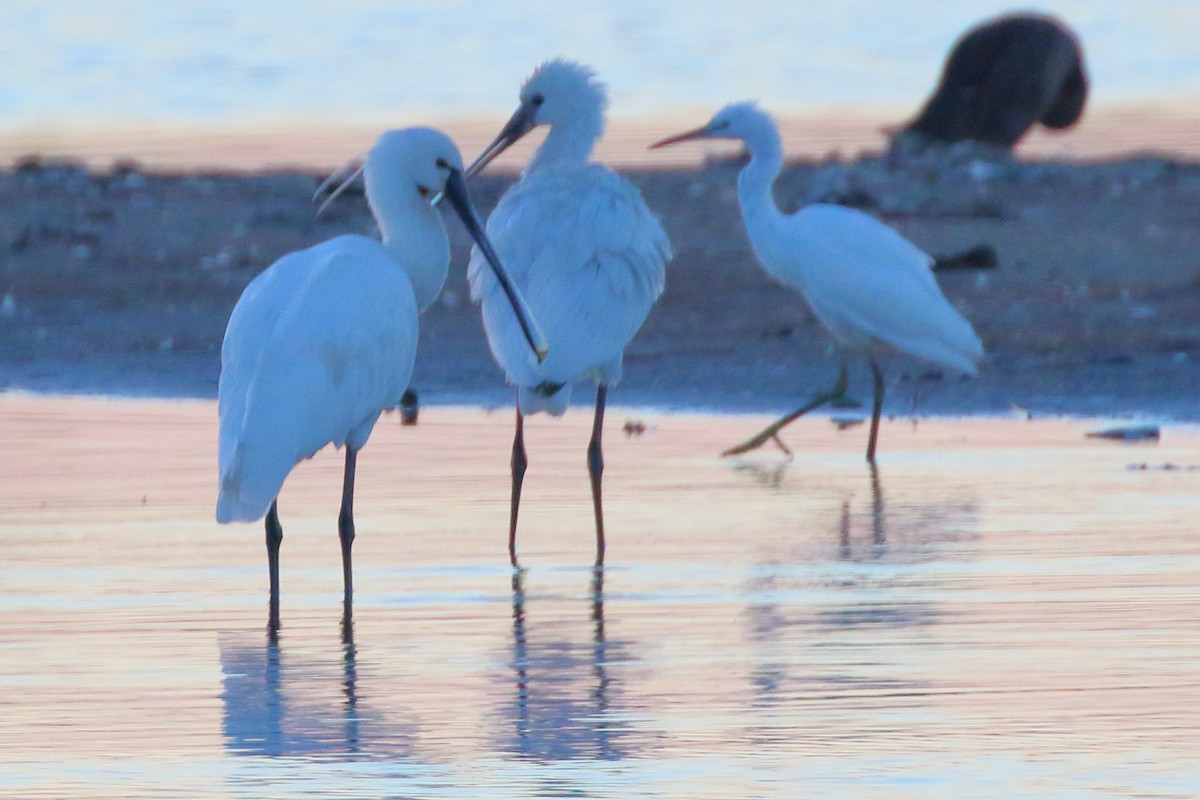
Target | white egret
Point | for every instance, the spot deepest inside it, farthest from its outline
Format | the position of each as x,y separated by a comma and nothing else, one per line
324,339
583,248
866,283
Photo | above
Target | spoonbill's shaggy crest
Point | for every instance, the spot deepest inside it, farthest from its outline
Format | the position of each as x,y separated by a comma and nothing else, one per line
866,283
324,340
583,248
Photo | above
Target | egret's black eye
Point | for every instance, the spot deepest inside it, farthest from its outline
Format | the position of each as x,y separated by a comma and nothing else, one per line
537,99
424,191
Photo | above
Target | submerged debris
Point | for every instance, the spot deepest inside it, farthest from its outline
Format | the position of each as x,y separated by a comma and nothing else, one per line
1127,433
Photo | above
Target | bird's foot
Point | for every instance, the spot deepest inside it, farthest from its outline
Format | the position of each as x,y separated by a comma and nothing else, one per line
752,443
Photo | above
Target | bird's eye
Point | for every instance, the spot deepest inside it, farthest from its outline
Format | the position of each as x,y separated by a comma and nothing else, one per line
537,99
424,191
442,164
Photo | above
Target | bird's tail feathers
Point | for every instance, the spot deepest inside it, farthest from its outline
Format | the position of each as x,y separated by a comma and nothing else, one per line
959,355
240,500
955,344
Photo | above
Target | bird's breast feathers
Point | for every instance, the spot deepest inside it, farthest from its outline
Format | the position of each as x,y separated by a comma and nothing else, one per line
568,218
344,305
589,257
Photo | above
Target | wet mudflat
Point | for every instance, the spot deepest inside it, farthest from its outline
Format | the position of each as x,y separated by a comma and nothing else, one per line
1004,608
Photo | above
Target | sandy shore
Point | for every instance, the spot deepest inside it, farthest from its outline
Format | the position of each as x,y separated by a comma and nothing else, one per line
121,281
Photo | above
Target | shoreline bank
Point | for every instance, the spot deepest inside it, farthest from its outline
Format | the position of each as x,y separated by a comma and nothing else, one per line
122,282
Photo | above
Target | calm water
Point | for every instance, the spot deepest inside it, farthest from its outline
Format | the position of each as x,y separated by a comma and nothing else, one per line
81,64
1005,609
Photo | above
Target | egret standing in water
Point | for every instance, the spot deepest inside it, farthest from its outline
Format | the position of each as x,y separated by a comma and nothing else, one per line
584,250
324,339
866,283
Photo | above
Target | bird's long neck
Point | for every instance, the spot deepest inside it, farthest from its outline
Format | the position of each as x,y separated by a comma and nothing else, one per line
414,236
569,142
759,210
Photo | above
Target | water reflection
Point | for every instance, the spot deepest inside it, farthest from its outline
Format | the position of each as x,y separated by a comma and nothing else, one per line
277,705
350,678
920,524
565,702
878,546
769,475
913,532
875,588
1020,615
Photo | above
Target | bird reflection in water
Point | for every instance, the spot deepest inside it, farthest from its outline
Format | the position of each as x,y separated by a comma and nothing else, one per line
563,708
878,547
859,580
277,705
892,555
350,679
768,475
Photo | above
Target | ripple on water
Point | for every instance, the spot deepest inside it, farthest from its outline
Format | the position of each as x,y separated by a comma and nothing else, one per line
1003,609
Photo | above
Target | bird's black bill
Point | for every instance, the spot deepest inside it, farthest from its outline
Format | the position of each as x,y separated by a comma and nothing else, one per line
519,124
456,192
687,136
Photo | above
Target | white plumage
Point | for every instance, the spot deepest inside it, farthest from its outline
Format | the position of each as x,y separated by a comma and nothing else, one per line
866,283
324,339
589,257
317,346
586,252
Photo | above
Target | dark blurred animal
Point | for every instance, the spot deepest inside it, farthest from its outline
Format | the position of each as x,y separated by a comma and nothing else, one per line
1001,78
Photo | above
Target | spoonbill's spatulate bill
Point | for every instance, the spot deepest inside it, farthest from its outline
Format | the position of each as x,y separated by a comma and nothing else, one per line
324,339
866,283
583,248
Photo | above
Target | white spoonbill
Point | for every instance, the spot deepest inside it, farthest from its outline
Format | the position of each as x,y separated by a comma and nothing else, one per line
866,283
584,250
324,339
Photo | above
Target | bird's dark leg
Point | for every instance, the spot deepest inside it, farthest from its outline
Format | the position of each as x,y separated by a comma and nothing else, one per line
772,431
274,538
876,409
346,526
519,463
595,458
